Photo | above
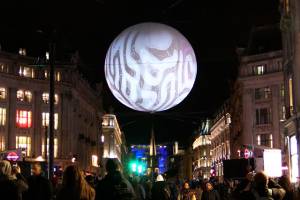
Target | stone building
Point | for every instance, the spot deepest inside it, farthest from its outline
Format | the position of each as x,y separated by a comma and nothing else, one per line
220,134
201,157
262,96
24,111
290,28
112,140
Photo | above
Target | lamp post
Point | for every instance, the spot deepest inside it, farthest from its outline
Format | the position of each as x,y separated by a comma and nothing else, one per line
51,110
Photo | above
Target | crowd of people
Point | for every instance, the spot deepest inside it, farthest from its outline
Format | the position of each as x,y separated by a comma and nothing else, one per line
114,186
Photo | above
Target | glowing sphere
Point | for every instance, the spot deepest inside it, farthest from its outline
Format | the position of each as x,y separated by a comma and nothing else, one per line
150,67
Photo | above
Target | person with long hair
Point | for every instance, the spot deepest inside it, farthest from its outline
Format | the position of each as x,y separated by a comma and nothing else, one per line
74,186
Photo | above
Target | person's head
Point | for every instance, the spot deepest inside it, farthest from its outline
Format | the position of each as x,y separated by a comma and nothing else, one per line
249,176
261,180
209,186
111,166
5,168
36,169
74,180
285,183
186,185
72,176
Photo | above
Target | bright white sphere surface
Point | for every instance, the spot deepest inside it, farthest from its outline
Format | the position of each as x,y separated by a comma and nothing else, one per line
150,67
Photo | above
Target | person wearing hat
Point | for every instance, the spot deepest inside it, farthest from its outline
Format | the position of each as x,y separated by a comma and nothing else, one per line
160,190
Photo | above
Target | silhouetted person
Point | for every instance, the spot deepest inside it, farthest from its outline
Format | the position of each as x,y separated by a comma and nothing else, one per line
19,180
39,187
114,186
285,183
210,193
74,186
160,190
262,189
8,188
186,193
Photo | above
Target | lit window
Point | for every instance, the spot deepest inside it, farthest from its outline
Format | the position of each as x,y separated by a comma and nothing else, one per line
25,96
2,143
55,147
45,120
22,51
3,68
26,72
287,6
94,160
24,119
47,55
56,99
57,76
24,143
102,138
2,93
271,140
259,70
2,116
28,96
258,140
46,74
45,97
283,113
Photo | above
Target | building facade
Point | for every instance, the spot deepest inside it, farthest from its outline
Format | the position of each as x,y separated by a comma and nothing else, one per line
24,111
202,157
290,28
262,96
112,139
220,140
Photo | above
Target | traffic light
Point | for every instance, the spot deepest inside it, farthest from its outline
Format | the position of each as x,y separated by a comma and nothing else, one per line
137,167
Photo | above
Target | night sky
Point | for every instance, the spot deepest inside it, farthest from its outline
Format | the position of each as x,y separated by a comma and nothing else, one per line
214,28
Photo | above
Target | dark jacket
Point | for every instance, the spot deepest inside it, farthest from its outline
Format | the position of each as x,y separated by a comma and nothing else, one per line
114,187
21,184
8,189
160,191
38,188
210,195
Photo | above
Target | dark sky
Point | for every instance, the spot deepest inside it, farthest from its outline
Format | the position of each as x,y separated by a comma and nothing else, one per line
214,28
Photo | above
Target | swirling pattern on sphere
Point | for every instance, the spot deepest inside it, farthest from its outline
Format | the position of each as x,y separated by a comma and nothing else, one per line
150,67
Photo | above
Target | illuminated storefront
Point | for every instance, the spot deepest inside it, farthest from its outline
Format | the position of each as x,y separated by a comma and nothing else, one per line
294,173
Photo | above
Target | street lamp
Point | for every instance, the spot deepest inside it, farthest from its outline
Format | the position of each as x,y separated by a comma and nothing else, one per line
51,57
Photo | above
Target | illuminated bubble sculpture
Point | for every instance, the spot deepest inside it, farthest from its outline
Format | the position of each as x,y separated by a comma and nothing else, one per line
150,67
